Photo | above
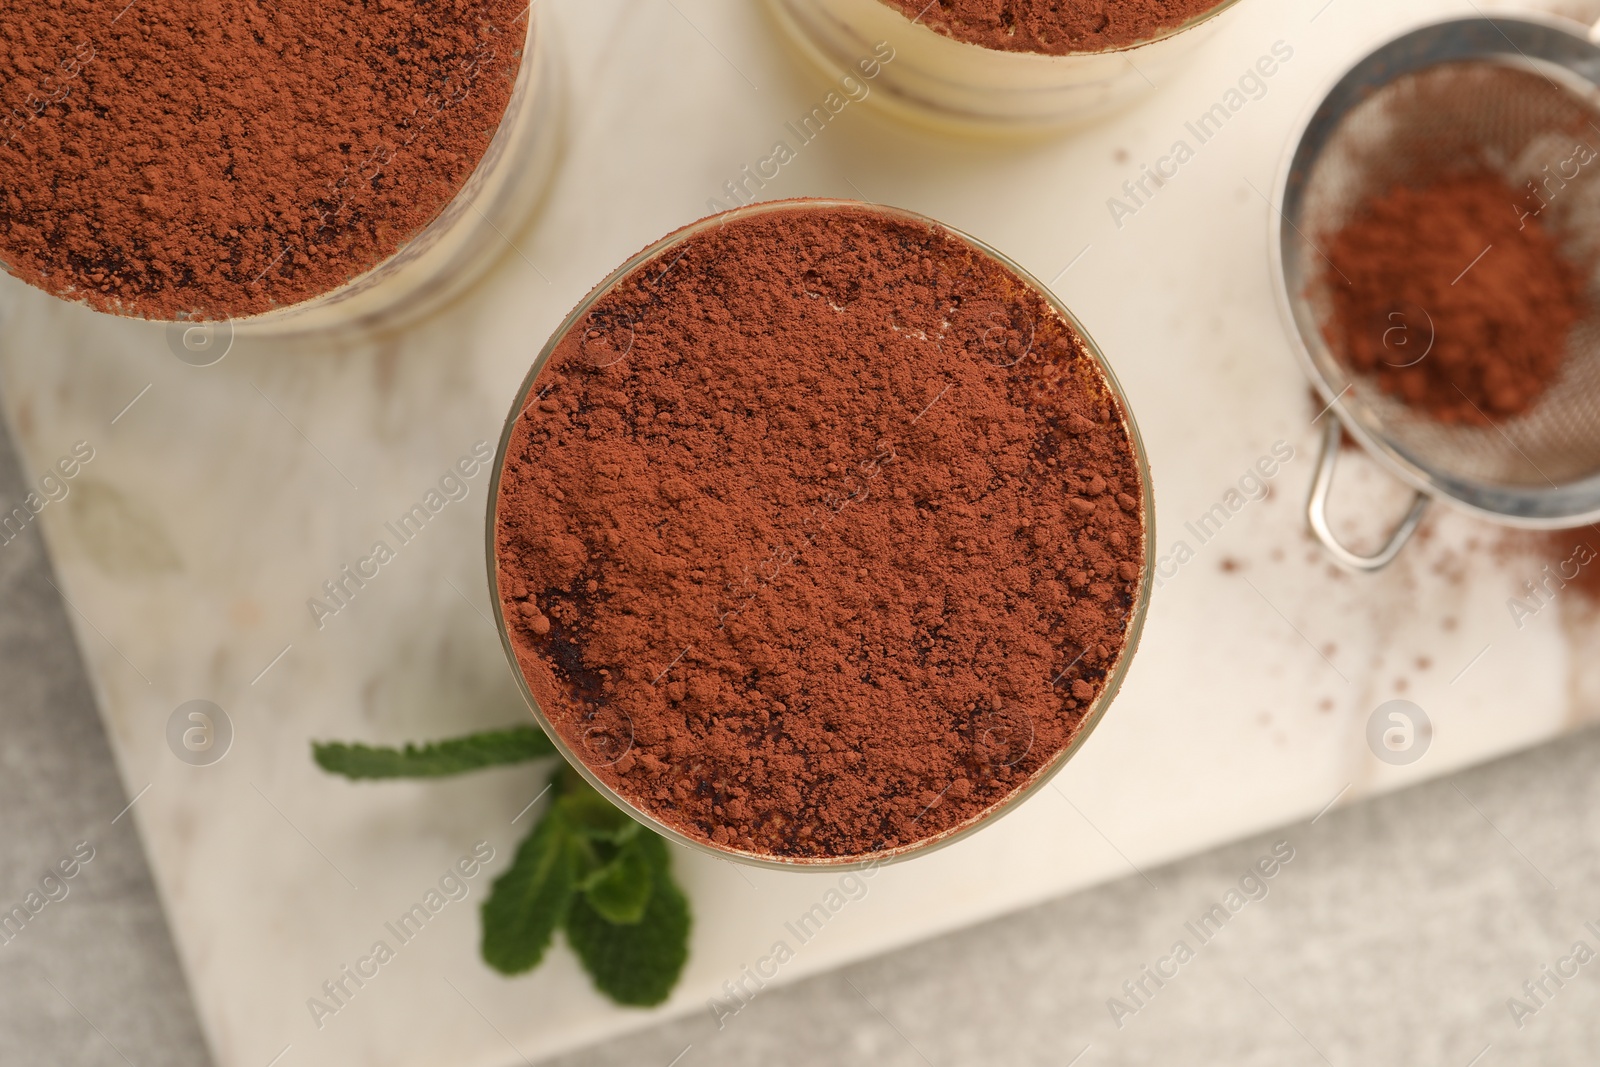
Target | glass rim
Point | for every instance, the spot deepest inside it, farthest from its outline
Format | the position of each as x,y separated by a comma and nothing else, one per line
980,819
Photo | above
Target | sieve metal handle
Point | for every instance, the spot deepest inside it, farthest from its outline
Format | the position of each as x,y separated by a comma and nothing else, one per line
1317,512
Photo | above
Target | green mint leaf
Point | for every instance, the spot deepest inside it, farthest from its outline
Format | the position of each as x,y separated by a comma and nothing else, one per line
493,748
530,899
636,964
620,889
593,816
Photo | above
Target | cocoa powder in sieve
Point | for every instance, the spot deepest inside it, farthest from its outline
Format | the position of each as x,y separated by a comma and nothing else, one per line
820,534
1452,298
183,157
1054,27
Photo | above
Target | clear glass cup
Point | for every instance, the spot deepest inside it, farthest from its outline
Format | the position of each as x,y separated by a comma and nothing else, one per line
935,80
1092,716
448,254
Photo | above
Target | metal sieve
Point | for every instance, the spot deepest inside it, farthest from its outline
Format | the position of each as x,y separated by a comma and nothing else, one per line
1514,94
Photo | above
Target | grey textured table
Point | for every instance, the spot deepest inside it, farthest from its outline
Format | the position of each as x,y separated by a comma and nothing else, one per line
90,978
1395,935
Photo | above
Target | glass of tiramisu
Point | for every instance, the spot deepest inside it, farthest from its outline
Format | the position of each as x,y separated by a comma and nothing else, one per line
819,535
282,171
1026,67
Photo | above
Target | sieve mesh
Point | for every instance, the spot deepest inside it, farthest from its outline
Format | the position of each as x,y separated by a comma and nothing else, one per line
1403,119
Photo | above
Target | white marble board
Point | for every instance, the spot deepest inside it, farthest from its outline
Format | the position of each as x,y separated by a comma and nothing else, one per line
218,503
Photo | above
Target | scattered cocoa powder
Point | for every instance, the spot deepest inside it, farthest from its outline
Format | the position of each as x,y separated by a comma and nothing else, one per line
183,157
1054,27
820,534
1571,561
1452,264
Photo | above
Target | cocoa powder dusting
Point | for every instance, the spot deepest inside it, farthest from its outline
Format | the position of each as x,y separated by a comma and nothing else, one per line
1453,264
1054,27
189,158
1572,561
821,534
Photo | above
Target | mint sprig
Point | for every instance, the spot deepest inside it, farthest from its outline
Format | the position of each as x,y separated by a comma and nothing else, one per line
493,748
529,902
585,868
635,963
620,889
